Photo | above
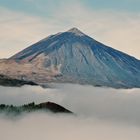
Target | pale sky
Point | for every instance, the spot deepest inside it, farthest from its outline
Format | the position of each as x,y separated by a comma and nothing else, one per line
114,23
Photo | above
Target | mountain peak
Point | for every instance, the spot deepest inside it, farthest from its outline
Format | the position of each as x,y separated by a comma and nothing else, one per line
74,57
76,31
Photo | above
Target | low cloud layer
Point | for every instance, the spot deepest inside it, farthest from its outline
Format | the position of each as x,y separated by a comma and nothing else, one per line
103,103
101,113
51,127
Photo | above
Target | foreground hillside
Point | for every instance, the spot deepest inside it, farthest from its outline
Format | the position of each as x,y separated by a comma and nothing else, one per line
32,107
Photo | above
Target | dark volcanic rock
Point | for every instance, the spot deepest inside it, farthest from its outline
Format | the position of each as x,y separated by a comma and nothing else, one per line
53,107
7,81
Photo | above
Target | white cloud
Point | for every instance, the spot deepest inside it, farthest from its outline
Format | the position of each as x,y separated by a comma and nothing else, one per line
51,127
119,30
104,103
19,31
102,113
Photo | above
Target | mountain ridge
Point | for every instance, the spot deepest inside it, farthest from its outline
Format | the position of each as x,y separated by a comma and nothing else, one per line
32,107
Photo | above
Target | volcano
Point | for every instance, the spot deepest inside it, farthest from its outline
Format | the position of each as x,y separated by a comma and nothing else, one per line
73,57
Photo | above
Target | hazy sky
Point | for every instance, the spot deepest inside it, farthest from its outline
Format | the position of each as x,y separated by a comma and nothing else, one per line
114,23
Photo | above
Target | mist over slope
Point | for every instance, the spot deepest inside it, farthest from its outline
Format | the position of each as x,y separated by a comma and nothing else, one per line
107,103
74,57
101,113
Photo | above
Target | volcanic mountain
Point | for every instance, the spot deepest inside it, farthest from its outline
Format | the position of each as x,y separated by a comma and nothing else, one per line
73,57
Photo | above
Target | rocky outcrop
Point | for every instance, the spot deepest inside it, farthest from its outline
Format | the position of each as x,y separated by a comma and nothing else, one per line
7,81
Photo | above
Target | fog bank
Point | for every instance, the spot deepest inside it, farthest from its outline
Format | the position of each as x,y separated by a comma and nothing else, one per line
101,113
51,127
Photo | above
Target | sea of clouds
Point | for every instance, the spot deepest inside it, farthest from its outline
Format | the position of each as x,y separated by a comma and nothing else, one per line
101,113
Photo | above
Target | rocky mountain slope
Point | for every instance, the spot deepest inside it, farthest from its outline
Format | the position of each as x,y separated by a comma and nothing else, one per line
74,57
7,81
